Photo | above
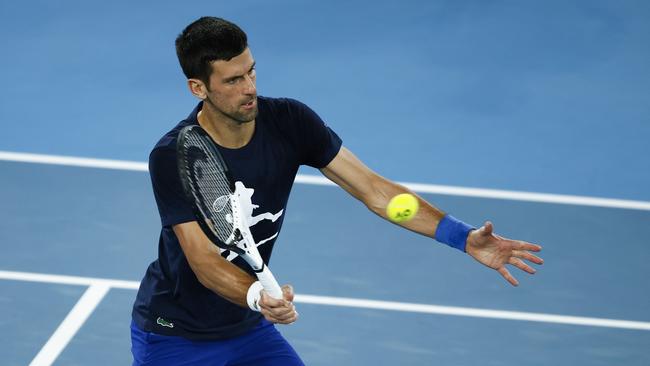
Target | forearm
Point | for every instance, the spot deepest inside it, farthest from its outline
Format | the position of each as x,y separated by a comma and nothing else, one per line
211,269
375,191
224,278
428,216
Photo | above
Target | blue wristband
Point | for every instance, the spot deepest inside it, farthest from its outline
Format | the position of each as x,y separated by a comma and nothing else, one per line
453,232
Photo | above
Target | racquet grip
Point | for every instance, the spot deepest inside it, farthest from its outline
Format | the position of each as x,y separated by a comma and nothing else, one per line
269,283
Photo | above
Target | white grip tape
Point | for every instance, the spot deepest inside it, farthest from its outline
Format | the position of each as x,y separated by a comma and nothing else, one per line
253,295
269,283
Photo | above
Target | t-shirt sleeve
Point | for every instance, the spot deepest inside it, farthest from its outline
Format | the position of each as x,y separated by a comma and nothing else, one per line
167,188
318,143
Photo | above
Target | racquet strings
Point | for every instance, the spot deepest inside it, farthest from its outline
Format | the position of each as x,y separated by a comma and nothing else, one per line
209,184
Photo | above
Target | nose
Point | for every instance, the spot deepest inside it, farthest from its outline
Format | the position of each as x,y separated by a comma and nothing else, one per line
249,85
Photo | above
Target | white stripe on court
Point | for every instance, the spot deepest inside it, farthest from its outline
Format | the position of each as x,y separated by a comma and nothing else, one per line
70,325
73,161
319,180
360,303
67,280
472,312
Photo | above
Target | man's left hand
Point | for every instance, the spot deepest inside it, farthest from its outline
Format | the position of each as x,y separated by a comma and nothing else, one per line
495,252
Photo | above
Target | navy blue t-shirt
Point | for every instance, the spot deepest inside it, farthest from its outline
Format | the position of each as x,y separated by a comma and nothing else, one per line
171,300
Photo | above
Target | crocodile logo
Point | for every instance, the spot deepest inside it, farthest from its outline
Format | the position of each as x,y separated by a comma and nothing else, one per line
164,323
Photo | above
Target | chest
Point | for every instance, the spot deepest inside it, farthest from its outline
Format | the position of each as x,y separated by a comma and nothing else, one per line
264,171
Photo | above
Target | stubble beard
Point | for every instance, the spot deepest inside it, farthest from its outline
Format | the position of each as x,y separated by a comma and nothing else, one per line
239,118
242,118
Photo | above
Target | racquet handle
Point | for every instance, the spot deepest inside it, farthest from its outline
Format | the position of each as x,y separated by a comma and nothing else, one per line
269,283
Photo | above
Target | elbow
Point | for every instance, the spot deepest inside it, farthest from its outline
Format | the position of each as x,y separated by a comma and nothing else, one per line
375,205
203,265
377,196
203,279
379,193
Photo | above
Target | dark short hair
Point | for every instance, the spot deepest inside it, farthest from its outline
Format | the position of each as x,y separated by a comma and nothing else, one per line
206,40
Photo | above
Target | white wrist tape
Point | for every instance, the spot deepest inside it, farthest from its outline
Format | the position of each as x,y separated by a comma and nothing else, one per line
253,295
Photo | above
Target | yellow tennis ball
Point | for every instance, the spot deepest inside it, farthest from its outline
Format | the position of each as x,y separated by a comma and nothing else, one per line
402,207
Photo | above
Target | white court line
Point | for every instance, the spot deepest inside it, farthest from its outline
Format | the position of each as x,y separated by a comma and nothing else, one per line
362,303
73,161
70,325
472,312
68,280
319,180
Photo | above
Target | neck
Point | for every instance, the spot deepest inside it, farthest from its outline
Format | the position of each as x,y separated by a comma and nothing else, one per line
223,130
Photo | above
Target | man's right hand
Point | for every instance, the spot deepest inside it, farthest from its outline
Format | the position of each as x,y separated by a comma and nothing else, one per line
280,311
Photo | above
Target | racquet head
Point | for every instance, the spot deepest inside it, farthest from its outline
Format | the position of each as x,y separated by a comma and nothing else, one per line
208,186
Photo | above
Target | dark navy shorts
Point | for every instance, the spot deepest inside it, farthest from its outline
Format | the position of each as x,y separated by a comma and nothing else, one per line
262,346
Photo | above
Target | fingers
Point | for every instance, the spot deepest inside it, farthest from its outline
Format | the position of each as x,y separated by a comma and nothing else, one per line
522,245
279,311
521,265
270,301
287,292
287,317
521,249
504,272
528,256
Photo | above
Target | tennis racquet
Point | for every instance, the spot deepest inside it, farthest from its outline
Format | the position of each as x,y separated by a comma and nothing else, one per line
209,187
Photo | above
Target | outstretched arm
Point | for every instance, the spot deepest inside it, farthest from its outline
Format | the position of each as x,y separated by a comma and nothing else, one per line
375,192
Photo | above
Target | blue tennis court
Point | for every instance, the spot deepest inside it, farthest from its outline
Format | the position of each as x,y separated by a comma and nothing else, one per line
532,115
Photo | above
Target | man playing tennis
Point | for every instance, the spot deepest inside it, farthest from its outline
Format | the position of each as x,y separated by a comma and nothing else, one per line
199,305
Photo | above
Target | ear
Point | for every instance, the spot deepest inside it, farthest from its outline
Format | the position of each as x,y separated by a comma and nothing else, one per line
198,88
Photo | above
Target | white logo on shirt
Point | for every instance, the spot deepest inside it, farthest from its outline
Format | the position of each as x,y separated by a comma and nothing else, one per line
245,196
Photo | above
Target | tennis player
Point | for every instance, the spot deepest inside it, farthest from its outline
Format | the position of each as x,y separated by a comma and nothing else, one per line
199,305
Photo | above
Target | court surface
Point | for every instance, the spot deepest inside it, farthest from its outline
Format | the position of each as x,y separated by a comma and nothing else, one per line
532,115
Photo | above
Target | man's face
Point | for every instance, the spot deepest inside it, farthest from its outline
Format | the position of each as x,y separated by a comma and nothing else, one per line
232,88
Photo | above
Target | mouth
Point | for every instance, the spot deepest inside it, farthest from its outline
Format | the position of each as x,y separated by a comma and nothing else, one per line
250,104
